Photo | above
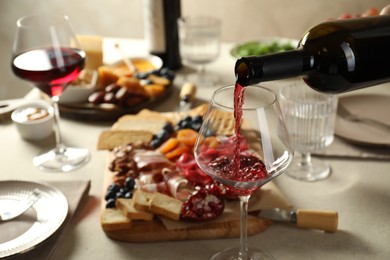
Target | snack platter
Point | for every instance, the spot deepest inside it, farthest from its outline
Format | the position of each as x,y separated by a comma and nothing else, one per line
151,215
119,91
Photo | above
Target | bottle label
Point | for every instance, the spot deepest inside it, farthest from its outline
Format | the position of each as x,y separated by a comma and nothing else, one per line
154,25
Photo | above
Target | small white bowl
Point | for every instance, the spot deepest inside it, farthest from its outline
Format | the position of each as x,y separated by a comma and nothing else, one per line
34,121
79,91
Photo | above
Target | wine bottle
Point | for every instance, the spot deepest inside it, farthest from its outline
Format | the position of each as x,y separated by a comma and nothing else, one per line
332,57
161,31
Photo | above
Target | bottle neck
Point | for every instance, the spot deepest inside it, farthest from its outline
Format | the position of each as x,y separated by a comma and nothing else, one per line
256,69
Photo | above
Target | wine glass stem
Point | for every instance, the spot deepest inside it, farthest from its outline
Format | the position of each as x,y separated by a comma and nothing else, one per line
306,159
57,133
243,254
202,71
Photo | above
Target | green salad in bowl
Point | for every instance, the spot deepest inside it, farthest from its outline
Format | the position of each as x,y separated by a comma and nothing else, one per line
262,47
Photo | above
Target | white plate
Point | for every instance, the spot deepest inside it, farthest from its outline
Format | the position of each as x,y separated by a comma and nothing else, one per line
366,105
35,225
268,41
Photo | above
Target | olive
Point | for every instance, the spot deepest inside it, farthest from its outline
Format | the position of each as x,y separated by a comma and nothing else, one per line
96,97
112,88
109,97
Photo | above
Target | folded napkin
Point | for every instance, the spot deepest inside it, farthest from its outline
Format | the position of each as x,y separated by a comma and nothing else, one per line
76,192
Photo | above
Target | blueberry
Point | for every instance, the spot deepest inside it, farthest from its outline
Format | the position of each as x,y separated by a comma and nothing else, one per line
168,127
156,72
185,124
196,126
141,75
119,195
110,195
167,73
110,203
155,143
198,119
163,135
130,183
128,195
210,132
113,187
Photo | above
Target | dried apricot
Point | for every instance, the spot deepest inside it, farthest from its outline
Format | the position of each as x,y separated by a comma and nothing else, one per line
177,152
169,145
187,136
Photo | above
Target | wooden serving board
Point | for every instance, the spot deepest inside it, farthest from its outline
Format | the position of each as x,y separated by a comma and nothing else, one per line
156,231
226,226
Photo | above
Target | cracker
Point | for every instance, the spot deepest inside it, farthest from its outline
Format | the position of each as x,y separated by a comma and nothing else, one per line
112,138
153,124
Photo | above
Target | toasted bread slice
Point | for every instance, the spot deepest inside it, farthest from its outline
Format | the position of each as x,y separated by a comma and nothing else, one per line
165,205
127,208
142,200
113,219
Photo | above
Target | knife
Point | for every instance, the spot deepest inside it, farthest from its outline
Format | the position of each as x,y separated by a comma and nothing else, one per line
186,97
313,219
21,207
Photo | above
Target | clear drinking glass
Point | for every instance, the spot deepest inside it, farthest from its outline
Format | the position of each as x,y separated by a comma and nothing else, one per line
47,54
243,154
310,118
199,39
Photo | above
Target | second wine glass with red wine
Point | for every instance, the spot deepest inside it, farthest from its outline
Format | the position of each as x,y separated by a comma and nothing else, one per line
243,144
47,54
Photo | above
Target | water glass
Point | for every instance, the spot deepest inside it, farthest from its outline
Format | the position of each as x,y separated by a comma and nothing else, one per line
199,38
310,119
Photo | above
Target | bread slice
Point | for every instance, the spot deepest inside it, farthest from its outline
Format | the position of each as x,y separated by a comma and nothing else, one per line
113,219
127,208
142,200
165,205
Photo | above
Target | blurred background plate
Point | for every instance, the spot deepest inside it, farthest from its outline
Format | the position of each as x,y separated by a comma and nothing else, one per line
263,46
371,106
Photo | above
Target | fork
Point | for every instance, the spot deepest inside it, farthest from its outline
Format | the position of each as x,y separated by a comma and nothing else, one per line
21,207
346,114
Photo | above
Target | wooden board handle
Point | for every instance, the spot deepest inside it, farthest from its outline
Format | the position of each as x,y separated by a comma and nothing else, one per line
318,219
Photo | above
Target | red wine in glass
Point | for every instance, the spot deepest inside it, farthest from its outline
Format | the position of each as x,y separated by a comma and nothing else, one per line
243,144
49,69
47,54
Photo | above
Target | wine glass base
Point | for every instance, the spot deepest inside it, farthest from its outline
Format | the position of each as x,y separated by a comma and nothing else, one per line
64,159
317,170
233,254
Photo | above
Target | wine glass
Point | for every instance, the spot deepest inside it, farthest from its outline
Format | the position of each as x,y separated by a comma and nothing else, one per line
243,144
199,39
310,117
47,53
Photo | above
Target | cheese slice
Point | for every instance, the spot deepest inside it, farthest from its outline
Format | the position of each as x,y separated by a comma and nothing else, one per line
93,48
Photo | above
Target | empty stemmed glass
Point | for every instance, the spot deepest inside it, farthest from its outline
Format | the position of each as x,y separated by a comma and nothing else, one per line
47,53
310,118
243,149
199,38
